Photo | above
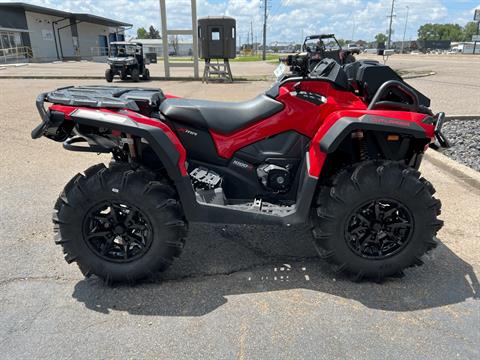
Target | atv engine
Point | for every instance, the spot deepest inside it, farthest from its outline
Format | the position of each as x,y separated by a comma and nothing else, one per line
274,177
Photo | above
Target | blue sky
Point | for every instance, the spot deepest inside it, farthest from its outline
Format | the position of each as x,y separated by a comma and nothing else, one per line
287,18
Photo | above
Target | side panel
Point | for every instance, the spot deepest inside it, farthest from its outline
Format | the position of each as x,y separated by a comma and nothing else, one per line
298,115
198,144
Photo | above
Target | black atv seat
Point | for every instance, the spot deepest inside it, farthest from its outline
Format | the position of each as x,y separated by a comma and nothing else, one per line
223,117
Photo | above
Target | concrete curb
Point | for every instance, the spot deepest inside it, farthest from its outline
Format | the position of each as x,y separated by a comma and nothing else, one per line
461,172
462,117
157,78
406,77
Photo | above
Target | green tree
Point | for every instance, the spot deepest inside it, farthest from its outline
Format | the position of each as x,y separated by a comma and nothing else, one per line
153,33
469,30
452,32
381,38
142,33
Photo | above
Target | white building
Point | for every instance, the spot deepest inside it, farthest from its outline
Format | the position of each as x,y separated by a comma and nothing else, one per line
466,47
180,48
43,34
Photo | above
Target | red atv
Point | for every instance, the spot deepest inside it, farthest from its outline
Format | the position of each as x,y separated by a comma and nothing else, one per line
339,149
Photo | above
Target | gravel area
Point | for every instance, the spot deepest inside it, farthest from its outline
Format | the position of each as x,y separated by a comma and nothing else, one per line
464,136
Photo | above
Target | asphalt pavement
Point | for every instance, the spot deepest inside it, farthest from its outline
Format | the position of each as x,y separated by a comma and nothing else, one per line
237,292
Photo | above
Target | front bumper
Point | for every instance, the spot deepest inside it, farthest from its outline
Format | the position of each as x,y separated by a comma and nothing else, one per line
439,136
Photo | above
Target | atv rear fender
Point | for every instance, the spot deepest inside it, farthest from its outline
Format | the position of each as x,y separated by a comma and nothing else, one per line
59,121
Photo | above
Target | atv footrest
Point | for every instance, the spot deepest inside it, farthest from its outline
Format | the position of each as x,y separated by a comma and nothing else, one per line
266,208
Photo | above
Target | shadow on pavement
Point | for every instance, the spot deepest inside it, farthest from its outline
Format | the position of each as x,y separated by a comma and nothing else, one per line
219,262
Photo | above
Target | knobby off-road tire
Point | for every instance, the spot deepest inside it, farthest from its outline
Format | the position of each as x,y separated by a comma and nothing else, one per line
375,219
135,75
119,223
146,75
109,75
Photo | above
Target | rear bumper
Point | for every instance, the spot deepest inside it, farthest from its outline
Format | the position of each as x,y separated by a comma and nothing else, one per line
54,124
40,129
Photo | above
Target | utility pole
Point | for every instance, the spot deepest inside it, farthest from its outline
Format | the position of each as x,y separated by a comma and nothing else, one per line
390,26
251,32
353,30
264,53
476,18
301,42
405,30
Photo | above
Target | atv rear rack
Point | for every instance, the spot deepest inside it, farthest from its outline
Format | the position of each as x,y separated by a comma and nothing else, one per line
144,101
106,97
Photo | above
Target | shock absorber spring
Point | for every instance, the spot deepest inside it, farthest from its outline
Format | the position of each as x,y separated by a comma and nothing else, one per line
361,145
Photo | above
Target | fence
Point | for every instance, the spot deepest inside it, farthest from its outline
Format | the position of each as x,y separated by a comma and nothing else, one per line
98,51
16,54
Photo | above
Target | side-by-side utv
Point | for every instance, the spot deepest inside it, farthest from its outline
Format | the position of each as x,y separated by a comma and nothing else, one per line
127,61
318,47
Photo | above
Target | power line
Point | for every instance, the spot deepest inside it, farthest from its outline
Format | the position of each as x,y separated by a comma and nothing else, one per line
273,13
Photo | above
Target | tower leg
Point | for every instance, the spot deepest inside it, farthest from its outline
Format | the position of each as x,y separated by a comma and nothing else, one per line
206,71
229,71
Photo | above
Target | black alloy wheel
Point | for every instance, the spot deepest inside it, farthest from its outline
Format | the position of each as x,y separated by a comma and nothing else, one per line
379,228
117,231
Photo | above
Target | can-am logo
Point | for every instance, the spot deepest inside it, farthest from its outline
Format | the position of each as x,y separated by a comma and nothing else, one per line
187,131
242,164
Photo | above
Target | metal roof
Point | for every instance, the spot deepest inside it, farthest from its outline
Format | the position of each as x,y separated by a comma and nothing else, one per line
125,43
76,16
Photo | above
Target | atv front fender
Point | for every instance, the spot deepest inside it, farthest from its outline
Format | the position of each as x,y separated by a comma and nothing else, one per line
344,126
339,125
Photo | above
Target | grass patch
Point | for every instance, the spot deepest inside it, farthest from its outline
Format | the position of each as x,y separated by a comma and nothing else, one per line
271,58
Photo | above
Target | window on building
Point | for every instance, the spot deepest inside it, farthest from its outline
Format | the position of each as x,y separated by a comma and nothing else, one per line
9,41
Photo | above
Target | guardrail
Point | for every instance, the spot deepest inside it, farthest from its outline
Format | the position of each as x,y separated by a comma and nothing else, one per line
16,54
